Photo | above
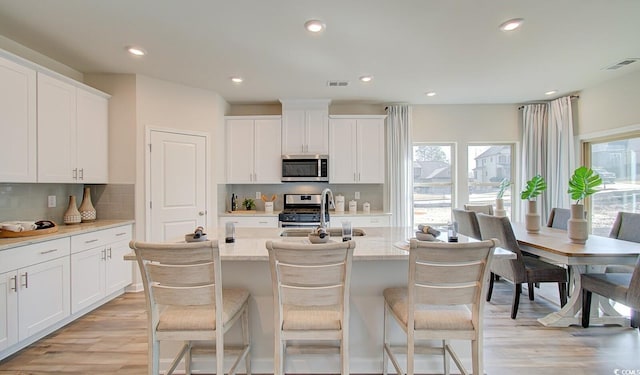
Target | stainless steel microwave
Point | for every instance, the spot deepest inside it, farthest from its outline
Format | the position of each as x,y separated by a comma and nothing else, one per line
305,168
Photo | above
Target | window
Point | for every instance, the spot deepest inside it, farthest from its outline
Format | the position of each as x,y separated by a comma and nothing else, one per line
432,183
617,161
488,165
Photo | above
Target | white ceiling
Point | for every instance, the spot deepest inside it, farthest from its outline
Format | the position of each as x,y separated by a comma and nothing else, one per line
452,47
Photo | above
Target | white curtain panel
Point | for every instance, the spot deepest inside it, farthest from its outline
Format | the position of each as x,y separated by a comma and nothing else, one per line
534,122
560,152
399,164
548,150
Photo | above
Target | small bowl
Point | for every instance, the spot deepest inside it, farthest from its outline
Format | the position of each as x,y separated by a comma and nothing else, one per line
314,238
189,237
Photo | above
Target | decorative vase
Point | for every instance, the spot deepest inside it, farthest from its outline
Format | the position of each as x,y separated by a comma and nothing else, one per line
500,211
577,227
72,215
87,211
532,218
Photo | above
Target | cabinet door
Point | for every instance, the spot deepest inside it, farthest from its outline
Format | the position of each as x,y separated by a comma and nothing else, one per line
370,149
43,296
118,271
56,130
317,131
250,221
293,131
239,151
268,154
342,161
87,273
92,137
8,309
18,120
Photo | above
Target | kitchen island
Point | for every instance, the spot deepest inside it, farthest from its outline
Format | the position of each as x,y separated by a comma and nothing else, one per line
380,261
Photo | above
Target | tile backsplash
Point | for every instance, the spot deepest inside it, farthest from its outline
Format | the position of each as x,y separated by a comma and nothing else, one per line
29,201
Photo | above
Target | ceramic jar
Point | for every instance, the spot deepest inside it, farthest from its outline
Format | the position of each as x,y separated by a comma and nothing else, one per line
87,211
500,211
532,218
72,215
577,227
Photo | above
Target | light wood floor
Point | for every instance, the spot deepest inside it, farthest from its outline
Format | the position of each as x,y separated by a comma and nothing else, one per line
112,340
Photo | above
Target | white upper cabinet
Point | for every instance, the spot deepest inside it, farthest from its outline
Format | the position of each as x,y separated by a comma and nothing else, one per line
305,127
253,149
17,122
72,133
357,152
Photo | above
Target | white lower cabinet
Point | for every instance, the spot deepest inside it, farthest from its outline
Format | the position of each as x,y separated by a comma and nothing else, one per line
8,309
361,221
98,267
250,221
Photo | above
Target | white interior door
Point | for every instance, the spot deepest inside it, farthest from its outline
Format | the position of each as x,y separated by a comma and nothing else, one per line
177,188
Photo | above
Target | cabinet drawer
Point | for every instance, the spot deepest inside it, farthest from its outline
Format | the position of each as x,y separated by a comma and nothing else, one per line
251,221
23,256
85,241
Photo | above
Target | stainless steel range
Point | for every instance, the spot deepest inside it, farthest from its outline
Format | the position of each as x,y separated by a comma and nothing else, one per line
302,210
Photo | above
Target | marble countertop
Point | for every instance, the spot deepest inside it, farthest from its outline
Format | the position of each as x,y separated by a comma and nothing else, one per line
63,231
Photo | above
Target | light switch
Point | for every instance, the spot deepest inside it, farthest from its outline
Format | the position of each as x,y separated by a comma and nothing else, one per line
258,195
51,201
357,195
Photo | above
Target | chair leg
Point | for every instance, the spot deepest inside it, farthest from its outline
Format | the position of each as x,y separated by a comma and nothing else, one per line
635,318
187,359
586,307
516,300
490,290
278,363
246,339
562,290
410,351
154,357
446,357
476,357
385,341
530,287
344,350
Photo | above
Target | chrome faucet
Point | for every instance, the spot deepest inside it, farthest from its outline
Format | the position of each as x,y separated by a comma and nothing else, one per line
322,229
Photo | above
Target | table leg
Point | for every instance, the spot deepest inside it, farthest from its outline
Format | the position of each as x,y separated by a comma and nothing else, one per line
569,314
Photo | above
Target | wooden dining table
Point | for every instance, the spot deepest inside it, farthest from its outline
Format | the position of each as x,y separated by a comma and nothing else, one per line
593,256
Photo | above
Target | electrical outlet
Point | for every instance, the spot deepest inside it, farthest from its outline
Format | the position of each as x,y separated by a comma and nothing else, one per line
258,195
51,201
357,195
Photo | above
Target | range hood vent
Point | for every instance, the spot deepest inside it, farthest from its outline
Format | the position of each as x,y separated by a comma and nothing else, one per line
622,64
337,83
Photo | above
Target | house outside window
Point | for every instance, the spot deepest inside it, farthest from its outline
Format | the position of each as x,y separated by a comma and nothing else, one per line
488,165
432,183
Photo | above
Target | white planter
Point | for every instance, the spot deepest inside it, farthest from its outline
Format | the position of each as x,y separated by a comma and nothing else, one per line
500,211
577,227
532,218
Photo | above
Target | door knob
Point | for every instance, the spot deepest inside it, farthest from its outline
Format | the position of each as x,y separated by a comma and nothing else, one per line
201,213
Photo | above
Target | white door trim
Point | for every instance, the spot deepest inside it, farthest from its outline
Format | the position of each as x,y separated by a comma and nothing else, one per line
147,172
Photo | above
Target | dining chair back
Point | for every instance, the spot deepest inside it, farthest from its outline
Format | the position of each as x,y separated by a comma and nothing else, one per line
523,269
559,218
186,302
622,287
310,298
443,300
626,227
467,223
480,208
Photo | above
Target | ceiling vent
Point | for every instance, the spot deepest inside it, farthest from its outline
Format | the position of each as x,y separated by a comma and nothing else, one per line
622,64
337,83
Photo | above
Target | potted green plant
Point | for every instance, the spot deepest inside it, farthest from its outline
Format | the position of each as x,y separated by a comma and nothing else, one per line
535,186
582,184
249,204
502,188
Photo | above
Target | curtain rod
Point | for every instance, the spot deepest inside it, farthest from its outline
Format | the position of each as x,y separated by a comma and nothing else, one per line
572,97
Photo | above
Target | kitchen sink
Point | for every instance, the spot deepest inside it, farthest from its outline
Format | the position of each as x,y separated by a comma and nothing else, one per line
333,232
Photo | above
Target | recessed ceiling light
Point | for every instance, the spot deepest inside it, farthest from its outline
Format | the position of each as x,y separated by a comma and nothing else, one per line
236,79
551,92
431,93
137,51
314,26
511,24
366,78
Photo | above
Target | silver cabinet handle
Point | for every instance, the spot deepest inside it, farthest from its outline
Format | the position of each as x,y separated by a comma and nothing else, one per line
109,252
103,253
26,280
354,176
75,173
90,241
48,251
81,173
358,176
121,234
15,284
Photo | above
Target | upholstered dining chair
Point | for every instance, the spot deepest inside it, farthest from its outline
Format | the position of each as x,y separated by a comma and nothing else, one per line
443,300
480,208
186,302
558,218
310,299
626,227
620,287
467,223
523,269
